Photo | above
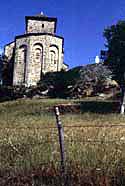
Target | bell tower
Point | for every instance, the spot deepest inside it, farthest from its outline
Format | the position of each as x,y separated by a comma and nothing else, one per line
40,24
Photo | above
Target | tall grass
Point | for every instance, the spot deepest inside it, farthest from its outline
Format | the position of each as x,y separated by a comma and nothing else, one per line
27,141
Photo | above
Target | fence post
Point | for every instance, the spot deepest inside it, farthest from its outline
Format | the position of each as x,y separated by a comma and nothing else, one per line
61,138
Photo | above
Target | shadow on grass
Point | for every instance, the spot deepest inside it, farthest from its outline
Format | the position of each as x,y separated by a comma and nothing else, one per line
99,107
51,176
102,107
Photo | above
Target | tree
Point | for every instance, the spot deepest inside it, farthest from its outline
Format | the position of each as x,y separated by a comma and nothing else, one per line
6,69
115,42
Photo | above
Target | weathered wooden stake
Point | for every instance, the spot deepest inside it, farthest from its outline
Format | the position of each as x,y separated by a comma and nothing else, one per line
122,109
61,138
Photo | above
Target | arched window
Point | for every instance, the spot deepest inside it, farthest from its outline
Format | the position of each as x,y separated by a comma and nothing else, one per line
53,56
37,61
22,53
38,52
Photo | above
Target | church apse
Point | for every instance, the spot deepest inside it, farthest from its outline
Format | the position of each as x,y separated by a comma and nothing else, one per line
38,51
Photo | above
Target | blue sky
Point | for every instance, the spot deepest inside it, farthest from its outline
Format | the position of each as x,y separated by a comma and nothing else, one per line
80,22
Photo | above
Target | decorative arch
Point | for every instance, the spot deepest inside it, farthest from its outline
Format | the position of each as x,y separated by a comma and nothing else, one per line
53,56
38,52
37,61
22,54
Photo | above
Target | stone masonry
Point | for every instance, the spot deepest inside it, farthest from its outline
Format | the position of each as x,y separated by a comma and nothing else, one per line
38,51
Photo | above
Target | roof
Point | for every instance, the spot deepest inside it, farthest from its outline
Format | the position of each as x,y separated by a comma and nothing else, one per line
41,16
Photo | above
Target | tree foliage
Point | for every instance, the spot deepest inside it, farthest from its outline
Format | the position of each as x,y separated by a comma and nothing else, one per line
6,69
115,42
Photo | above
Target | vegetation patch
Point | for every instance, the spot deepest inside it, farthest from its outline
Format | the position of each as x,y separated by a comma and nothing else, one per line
29,141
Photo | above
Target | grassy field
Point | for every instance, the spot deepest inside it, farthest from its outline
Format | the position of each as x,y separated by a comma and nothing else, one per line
29,138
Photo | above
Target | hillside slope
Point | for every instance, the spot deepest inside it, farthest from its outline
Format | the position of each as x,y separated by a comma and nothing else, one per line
78,82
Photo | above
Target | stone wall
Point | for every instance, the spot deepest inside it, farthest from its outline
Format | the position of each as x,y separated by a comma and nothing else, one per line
8,50
19,64
43,54
35,26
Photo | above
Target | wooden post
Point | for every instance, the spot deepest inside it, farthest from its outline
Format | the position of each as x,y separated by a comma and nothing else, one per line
61,138
123,100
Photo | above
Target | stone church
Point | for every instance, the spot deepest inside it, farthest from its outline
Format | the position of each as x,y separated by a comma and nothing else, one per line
37,51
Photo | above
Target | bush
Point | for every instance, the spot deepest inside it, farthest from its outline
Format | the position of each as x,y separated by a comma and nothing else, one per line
76,82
